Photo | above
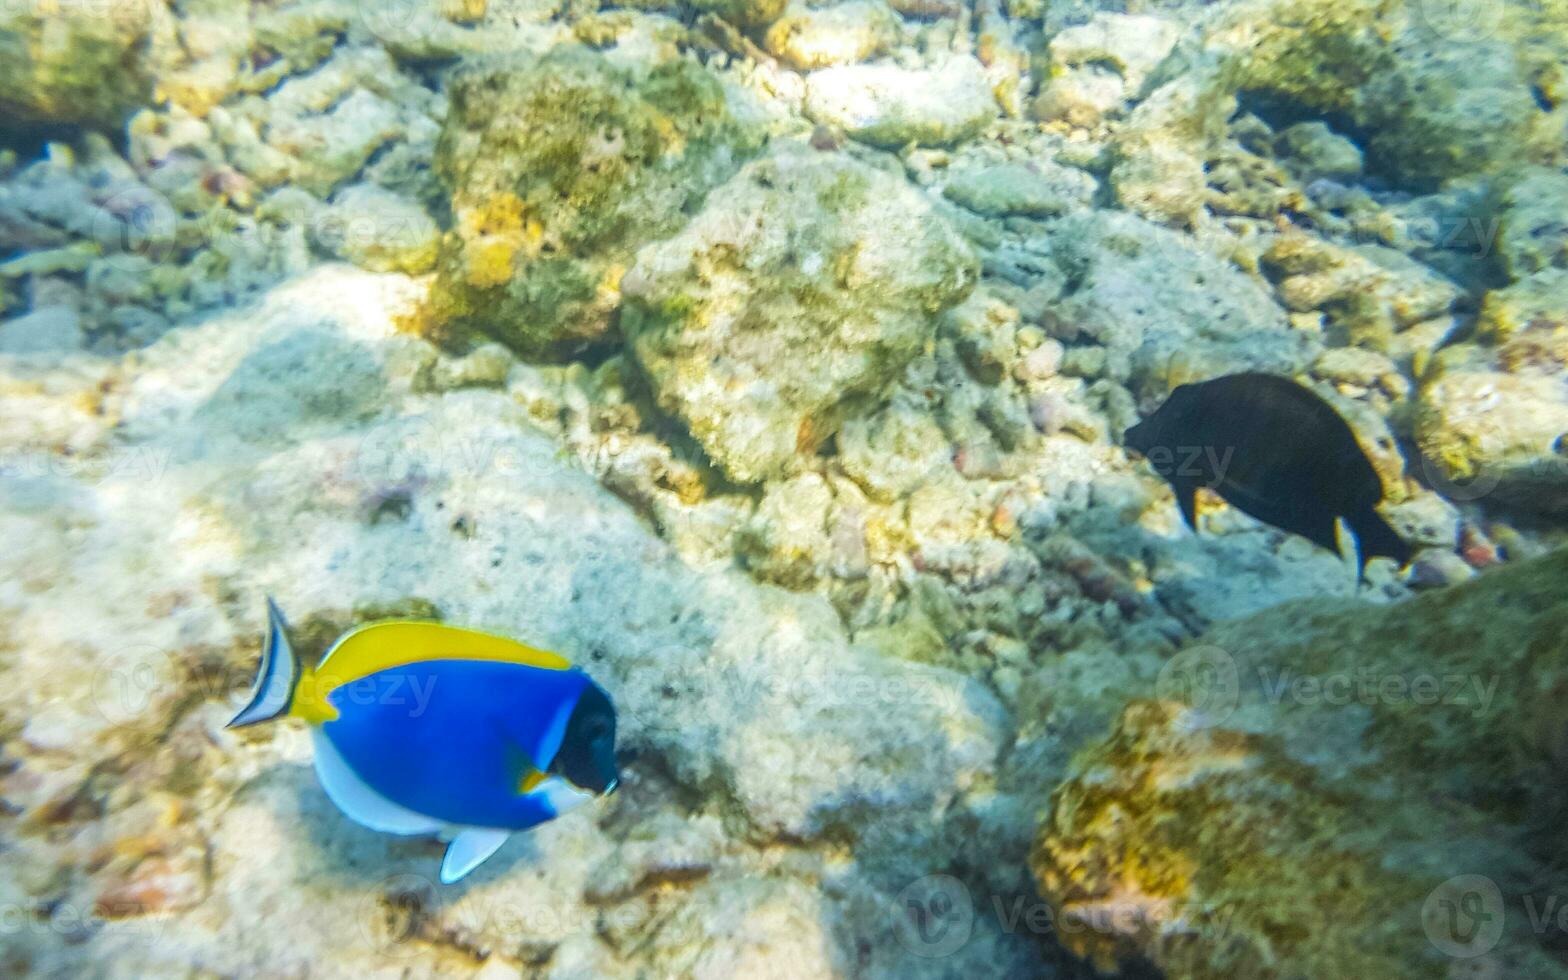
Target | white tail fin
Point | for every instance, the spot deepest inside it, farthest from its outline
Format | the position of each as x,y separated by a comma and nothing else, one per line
277,676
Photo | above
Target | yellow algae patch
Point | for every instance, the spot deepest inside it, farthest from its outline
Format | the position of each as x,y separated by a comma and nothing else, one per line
492,233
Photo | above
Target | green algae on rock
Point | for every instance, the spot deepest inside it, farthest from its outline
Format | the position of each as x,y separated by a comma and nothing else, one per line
794,298
1536,303
560,167
1431,104
1297,816
807,37
74,63
748,14
1532,233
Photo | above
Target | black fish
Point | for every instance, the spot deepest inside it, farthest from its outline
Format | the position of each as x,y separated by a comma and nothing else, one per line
1272,449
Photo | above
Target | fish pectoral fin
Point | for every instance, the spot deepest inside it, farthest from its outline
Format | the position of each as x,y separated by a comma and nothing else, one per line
468,850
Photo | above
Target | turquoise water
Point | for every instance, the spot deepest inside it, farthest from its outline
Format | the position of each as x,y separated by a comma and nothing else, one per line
1045,490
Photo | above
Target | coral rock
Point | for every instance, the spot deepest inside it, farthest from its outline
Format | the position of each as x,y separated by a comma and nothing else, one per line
888,106
560,167
839,35
801,251
1249,824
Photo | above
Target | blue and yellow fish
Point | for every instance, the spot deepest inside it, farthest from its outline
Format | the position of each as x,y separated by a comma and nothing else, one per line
423,728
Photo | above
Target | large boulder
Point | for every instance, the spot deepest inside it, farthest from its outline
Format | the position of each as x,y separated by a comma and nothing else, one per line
1532,232
1319,785
1437,94
72,62
560,167
1164,310
843,34
890,106
793,299
1131,45
1367,294
1494,427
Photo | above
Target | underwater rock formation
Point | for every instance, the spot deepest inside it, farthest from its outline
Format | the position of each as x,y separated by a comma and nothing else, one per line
842,34
73,63
889,106
748,14
1315,784
1098,66
800,252
1499,435
379,230
1439,94
1164,312
560,168
1368,294
1017,189
811,454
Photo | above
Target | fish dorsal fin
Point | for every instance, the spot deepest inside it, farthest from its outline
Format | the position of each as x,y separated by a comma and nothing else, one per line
358,801
468,850
394,643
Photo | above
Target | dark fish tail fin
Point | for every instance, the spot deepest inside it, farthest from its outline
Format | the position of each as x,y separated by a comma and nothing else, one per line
1187,500
273,693
1376,538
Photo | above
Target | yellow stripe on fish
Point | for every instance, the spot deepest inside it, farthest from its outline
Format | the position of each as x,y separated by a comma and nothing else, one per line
397,643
